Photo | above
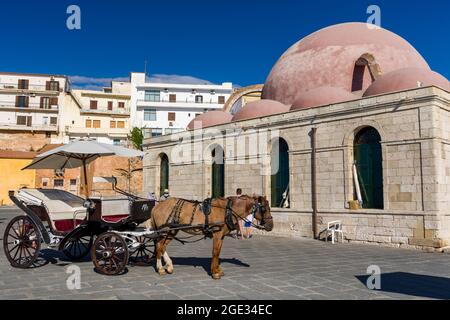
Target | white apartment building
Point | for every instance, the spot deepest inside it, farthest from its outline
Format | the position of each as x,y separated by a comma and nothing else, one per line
102,115
164,108
30,103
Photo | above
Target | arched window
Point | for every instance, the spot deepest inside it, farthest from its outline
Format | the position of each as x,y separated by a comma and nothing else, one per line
217,173
279,183
164,174
368,161
365,71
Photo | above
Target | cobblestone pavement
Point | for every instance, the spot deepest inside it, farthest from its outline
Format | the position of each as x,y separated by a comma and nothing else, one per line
260,268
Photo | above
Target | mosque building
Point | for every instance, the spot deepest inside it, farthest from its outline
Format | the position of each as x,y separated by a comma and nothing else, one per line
358,128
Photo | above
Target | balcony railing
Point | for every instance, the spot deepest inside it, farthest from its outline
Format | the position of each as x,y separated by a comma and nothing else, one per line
30,87
32,127
116,110
181,101
29,106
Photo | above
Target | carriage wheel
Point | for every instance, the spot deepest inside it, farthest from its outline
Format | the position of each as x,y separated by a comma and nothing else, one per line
110,253
77,248
21,242
143,254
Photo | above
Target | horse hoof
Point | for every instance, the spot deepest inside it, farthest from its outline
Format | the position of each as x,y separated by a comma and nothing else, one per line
169,270
221,273
162,272
216,276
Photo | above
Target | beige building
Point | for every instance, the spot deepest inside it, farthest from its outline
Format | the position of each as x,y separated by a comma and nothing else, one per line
102,115
363,139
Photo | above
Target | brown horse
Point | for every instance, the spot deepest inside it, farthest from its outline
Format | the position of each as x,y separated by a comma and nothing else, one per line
189,217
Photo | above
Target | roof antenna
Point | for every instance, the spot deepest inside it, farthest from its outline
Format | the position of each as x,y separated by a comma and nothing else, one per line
145,67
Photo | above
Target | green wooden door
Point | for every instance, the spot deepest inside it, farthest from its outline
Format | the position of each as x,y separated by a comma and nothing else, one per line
368,160
164,174
218,180
280,180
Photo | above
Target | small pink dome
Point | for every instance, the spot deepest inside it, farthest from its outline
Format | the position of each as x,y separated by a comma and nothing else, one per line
209,119
260,108
405,79
327,58
322,96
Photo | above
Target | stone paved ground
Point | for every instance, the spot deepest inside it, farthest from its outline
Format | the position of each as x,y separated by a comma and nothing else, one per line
260,268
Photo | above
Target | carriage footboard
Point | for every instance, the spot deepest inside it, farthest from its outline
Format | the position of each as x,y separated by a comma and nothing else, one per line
33,216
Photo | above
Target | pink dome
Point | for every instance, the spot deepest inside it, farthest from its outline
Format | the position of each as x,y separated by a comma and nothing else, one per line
327,58
322,96
260,108
209,119
405,79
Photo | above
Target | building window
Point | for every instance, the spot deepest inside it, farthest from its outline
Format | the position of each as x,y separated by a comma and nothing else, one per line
171,116
45,182
96,123
199,99
45,103
116,142
221,99
149,115
58,183
120,124
152,95
151,132
110,105
48,134
88,123
53,121
121,104
22,84
93,104
24,121
22,101
172,98
52,85
112,124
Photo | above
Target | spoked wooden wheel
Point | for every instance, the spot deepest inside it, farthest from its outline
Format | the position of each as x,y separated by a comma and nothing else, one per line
142,251
110,253
77,248
21,242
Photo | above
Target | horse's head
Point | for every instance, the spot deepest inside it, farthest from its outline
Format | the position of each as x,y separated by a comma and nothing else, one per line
261,212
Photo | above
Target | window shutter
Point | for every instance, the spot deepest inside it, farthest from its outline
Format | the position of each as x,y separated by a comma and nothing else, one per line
54,101
17,101
27,82
29,121
27,100
47,85
41,104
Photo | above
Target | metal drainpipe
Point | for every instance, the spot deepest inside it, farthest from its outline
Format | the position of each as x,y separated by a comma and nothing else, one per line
313,182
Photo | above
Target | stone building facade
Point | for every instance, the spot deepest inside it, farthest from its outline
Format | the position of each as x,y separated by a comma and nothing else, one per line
389,126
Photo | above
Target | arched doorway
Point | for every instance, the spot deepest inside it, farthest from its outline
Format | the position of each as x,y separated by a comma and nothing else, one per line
279,183
164,174
217,173
365,71
368,161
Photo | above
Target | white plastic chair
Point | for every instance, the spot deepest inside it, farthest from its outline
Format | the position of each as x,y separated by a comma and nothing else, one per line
334,227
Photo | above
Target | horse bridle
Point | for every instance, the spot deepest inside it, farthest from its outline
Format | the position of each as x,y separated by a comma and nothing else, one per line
258,207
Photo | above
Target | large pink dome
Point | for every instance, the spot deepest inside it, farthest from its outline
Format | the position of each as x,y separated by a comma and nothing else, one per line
260,108
327,58
405,79
209,119
322,96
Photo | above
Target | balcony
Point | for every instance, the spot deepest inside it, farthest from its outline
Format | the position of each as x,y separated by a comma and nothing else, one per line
187,103
112,132
30,107
14,89
114,111
33,127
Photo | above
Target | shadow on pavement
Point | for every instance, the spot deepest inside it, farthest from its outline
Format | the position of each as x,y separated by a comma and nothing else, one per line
205,263
413,284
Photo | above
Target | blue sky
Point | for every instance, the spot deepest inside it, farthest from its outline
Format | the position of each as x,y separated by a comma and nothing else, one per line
217,41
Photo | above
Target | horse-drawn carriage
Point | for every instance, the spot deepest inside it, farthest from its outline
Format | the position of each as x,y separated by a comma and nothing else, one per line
78,227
